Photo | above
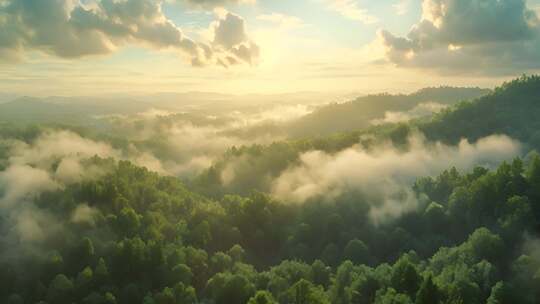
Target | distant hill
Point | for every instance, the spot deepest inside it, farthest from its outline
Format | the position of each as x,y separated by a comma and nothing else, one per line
512,109
65,109
359,113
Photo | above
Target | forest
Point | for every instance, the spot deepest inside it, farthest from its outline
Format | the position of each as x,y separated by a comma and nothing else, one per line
163,207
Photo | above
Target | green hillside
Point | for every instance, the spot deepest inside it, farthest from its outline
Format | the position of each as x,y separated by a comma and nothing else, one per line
511,109
359,113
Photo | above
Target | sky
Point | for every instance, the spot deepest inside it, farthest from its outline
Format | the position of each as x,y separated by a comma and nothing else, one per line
96,47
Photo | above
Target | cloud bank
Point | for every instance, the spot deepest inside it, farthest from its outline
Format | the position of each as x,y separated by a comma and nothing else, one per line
383,176
230,36
183,144
51,162
479,36
70,29
161,142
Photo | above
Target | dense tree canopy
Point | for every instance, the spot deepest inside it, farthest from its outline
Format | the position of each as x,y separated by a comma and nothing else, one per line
129,235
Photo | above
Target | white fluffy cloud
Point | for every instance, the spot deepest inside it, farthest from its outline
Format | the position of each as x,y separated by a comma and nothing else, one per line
485,36
383,176
230,35
70,29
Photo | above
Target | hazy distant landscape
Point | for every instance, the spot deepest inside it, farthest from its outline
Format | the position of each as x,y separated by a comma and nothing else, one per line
124,190
333,152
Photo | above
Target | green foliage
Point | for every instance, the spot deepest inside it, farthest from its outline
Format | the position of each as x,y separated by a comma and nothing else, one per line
391,296
357,252
60,290
428,293
499,294
119,261
511,109
405,278
359,113
155,240
230,288
262,297
304,292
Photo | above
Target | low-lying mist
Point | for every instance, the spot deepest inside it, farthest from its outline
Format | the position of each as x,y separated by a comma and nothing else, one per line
383,176
176,144
421,110
184,144
51,162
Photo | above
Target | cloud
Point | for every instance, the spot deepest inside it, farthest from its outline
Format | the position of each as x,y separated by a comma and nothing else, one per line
19,186
23,182
34,225
277,114
402,7
185,144
421,110
54,146
283,21
383,176
84,214
69,170
53,158
230,35
164,142
49,163
459,35
351,10
70,29
216,3
59,156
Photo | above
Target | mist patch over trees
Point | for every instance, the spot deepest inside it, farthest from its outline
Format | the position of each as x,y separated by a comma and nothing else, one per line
139,236
510,110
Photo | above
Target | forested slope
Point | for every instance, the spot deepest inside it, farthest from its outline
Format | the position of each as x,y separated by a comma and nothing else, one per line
77,228
511,109
361,112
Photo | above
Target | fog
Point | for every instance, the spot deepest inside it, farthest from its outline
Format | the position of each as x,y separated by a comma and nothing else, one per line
237,152
184,144
383,176
164,142
51,162
421,110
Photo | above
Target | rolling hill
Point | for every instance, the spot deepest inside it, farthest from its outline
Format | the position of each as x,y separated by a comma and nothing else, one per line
512,109
360,113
